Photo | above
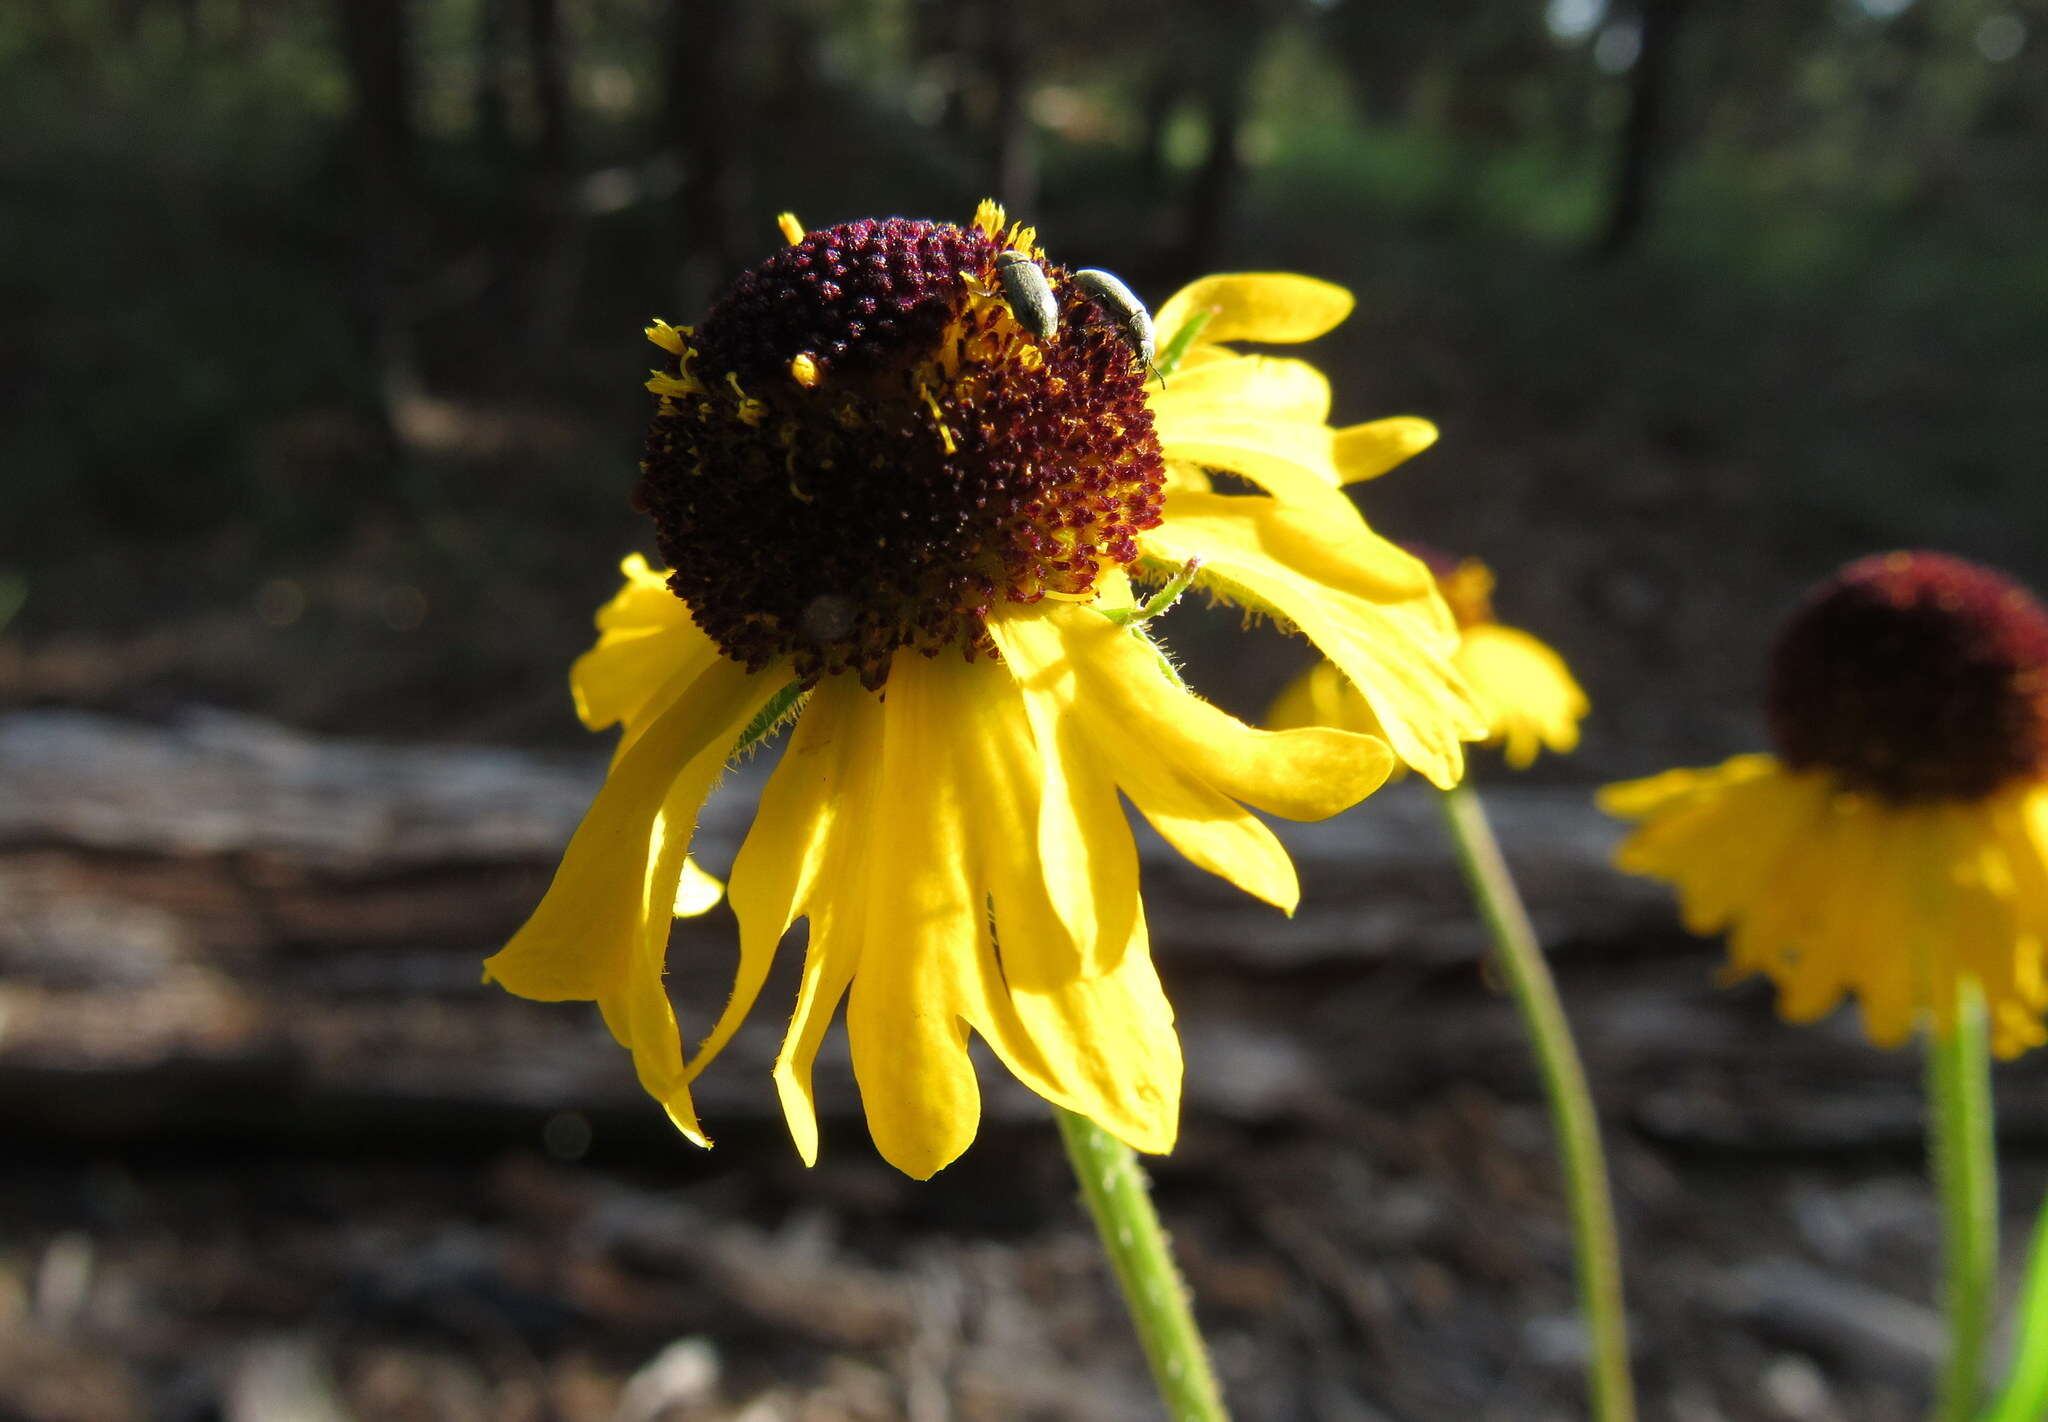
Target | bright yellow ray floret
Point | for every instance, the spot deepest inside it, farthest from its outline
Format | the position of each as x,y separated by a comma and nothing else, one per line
1525,691
1298,549
1831,894
957,839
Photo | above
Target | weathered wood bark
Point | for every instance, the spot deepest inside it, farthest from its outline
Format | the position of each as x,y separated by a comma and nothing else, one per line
242,1023
291,929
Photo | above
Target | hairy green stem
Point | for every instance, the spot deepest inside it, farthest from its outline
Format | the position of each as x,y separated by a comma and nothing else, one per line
2025,1398
1119,1199
1595,1244
1964,1159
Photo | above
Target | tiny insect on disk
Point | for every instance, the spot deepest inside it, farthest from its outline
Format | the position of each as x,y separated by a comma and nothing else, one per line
1029,294
1122,306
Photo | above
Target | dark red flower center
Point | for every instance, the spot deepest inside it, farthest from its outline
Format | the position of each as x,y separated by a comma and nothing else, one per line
1915,677
861,450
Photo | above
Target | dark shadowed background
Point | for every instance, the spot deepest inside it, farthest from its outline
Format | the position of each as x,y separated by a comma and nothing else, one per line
319,407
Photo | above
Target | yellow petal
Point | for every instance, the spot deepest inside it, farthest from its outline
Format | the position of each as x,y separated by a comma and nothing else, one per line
601,932
645,639
1393,645
829,965
1100,1043
1369,450
1286,457
1321,696
1084,842
1652,795
997,757
697,893
1213,831
1528,694
1126,701
786,848
926,964
1104,1046
1266,386
809,837
1255,306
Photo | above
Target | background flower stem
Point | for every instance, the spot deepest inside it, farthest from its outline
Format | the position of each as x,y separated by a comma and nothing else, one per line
1119,1200
1964,1159
1595,1244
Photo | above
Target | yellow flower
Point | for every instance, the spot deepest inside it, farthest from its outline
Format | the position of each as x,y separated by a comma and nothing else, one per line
881,488
1523,688
1897,844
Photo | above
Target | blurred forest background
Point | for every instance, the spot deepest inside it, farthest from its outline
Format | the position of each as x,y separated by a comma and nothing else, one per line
319,405
320,323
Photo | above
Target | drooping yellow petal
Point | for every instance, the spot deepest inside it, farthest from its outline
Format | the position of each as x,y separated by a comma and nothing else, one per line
1369,450
601,932
785,850
829,966
1096,1040
1127,701
1832,893
1525,689
807,862
1715,834
1083,841
1213,831
1102,1046
926,965
1255,306
1394,644
645,640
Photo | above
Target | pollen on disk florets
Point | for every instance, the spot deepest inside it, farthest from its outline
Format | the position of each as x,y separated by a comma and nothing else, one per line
1914,677
860,449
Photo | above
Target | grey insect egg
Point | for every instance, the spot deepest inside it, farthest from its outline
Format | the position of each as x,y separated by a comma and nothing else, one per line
1121,305
1029,293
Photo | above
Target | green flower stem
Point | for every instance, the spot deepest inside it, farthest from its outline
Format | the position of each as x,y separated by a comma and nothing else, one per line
2025,1398
1964,1158
1595,1244
1120,1202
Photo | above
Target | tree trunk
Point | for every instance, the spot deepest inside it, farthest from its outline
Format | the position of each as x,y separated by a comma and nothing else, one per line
1013,156
1644,145
1231,39
558,244
493,116
706,127
374,35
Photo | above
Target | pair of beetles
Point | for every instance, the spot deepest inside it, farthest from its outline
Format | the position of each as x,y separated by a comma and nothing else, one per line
1030,296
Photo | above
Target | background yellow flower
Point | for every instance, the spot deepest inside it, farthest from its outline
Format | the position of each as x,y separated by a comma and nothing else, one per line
1898,843
1525,693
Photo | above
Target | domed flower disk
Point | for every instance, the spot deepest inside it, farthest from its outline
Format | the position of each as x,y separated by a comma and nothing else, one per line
904,475
1897,844
1523,688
